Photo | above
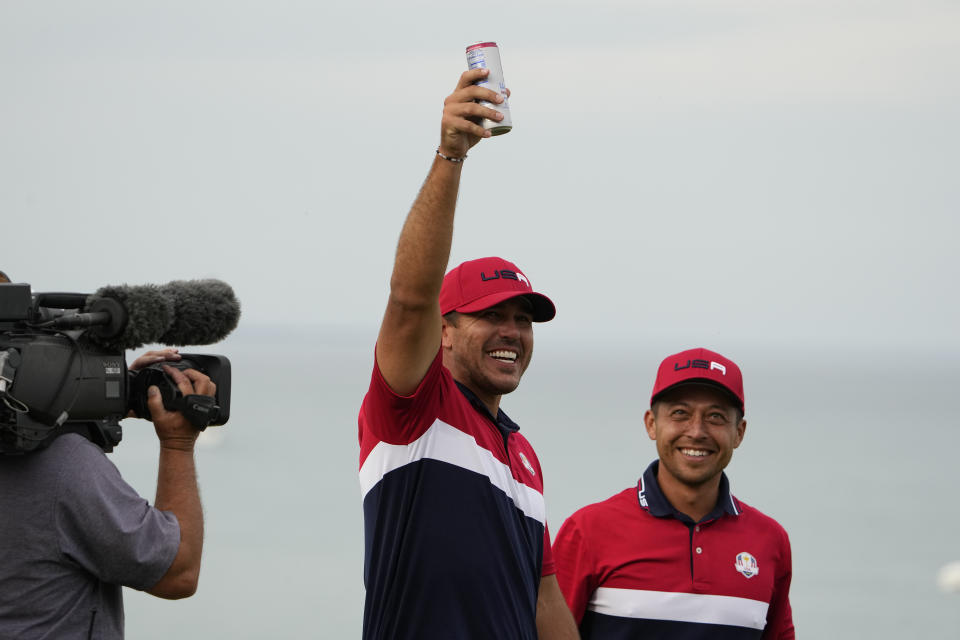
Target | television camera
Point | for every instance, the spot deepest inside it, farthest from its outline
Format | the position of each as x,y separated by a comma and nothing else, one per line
62,364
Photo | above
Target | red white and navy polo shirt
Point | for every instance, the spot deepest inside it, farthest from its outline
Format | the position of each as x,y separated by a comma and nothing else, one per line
454,517
632,566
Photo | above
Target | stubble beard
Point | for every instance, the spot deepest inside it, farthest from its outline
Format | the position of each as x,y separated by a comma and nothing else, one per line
488,384
693,478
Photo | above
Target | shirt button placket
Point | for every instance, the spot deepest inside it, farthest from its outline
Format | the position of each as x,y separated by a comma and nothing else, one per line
697,560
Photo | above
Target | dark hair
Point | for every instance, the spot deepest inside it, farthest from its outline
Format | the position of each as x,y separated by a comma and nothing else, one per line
452,317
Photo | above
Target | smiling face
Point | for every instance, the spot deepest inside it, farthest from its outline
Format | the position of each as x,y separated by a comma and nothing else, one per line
696,428
488,351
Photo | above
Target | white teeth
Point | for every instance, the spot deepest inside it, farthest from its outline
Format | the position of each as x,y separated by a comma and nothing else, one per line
510,356
693,452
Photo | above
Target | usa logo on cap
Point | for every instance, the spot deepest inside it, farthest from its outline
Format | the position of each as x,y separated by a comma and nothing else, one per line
746,564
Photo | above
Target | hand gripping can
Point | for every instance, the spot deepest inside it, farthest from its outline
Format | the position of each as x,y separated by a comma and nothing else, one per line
487,55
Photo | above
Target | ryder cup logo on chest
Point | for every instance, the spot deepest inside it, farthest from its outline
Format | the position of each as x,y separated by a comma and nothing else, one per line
746,564
526,463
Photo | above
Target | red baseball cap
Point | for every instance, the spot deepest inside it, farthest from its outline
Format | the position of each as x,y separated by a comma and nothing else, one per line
479,284
699,365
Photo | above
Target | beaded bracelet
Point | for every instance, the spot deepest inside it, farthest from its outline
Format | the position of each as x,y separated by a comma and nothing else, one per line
449,159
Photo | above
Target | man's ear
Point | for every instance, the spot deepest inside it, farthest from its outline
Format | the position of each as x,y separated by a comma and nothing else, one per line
446,333
741,430
649,421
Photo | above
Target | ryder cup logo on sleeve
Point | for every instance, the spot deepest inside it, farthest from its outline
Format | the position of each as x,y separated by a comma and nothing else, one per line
526,463
746,564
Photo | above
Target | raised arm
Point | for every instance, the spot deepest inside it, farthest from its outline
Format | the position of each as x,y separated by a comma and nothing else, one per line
410,333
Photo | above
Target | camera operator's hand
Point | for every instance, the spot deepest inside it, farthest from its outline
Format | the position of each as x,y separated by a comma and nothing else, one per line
170,354
173,429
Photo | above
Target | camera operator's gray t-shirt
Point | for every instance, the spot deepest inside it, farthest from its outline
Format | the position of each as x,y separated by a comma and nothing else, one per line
71,533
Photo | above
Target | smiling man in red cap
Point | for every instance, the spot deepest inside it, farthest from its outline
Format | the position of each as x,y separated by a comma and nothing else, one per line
454,517
678,556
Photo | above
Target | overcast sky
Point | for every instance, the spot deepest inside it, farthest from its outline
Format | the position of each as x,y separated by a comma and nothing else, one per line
723,171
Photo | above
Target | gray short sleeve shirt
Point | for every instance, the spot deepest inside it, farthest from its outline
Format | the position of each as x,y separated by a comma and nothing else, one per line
72,533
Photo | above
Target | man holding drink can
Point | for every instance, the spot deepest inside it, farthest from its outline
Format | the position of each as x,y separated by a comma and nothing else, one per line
455,526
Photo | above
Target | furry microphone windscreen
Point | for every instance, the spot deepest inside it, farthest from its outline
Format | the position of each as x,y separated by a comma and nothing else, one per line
205,311
150,313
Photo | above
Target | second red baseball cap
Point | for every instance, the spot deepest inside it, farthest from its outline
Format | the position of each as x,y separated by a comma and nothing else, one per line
699,365
478,284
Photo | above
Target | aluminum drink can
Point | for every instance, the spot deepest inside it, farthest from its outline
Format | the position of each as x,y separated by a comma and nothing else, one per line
486,55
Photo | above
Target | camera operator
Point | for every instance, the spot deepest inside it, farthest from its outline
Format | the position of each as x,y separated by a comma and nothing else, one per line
73,532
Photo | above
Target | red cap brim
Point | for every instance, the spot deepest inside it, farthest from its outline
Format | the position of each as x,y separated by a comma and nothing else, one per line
543,309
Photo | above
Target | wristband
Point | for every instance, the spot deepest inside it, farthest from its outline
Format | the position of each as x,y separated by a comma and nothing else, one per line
449,159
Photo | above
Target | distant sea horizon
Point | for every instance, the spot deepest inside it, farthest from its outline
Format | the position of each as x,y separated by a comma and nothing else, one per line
852,450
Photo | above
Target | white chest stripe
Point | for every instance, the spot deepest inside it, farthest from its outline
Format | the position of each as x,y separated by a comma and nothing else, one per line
447,444
681,607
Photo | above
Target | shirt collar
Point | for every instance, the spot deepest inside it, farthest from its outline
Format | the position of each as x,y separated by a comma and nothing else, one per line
651,498
502,421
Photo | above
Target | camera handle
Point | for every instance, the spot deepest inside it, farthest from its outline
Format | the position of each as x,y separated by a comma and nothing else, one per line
199,410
